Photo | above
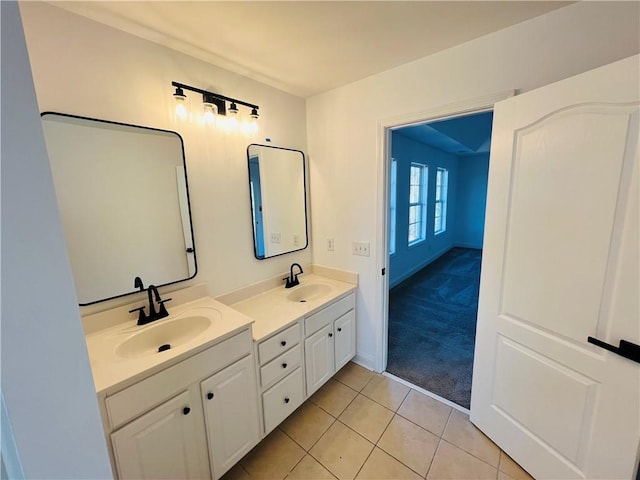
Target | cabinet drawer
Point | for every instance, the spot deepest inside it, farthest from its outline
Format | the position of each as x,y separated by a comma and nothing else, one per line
282,399
280,366
280,342
324,317
146,394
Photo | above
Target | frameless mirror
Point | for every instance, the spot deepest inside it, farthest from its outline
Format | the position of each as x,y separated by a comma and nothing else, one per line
124,204
278,200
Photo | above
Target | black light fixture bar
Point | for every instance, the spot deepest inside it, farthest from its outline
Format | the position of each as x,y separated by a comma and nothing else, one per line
215,98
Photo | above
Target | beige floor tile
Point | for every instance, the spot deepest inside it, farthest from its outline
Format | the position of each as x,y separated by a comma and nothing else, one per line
354,376
382,466
504,476
237,472
425,411
333,397
412,445
367,417
310,469
307,424
452,463
273,458
462,433
512,469
342,451
386,391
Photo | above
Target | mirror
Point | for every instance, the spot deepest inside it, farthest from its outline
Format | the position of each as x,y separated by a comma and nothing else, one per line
124,204
278,200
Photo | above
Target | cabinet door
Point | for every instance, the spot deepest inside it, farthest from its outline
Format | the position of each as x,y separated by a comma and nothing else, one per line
318,355
166,443
345,338
231,407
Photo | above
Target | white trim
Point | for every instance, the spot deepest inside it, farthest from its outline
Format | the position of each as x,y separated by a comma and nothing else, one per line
383,153
427,393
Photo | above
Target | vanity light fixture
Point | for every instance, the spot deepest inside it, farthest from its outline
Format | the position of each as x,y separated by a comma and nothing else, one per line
214,107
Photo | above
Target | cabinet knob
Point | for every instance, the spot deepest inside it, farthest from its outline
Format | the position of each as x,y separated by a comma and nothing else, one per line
186,410
284,365
339,329
331,335
286,399
283,343
210,395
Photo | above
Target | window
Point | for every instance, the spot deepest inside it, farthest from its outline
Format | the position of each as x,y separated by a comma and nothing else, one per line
417,203
440,215
392,206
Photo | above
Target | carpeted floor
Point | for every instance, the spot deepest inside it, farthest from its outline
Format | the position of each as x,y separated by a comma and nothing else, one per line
432,325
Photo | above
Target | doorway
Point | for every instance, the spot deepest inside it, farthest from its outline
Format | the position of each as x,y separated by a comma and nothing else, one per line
437,196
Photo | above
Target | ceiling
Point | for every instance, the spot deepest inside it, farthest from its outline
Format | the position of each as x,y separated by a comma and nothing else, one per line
307,47
461,136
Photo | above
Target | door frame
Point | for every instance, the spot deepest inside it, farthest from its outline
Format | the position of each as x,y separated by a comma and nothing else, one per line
384,129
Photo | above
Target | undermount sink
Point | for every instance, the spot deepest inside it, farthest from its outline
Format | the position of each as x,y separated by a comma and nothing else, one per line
167,334
309,292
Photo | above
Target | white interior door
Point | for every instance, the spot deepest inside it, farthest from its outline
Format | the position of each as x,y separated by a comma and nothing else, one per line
560,264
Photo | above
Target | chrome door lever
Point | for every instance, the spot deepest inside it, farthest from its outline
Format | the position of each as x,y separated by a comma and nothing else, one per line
626,349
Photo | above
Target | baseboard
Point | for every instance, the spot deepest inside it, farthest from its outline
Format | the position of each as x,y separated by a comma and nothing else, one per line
420,266
468,245
365,361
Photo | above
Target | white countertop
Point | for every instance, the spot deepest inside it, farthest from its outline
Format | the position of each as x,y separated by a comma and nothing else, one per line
269,312
272,311
112,371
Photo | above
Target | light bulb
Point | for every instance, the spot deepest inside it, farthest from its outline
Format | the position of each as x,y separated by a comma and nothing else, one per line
210,111
180,101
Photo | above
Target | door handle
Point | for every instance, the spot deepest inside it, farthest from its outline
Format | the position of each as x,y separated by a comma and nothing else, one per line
626,349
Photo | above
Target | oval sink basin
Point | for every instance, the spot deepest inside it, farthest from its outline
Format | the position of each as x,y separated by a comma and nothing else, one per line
164,336
309,292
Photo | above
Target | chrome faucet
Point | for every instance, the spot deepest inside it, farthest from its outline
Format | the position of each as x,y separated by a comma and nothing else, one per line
152,291
292,280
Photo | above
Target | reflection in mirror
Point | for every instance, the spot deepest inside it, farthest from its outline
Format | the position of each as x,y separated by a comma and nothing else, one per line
278,200
124,204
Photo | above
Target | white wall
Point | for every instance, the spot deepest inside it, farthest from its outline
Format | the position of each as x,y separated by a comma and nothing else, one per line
86,68
46,378
346,157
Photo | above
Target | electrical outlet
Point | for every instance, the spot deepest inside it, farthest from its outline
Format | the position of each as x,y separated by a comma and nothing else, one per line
275,238
329,244
360,248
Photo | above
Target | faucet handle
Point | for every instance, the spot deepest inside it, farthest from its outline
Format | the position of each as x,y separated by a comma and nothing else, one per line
163,310
141,315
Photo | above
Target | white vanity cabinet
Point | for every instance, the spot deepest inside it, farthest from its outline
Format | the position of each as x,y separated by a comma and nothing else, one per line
233,425
195,419
281,375
330,341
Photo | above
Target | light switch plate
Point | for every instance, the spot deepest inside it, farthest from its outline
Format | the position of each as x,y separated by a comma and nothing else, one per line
361,248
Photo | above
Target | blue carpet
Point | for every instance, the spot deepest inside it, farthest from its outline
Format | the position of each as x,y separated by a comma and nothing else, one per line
432,325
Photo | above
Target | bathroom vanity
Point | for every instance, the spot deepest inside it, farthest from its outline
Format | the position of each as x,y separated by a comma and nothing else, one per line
236,367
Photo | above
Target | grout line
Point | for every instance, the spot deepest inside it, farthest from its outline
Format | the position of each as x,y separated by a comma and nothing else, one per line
448,403
391,454
470,454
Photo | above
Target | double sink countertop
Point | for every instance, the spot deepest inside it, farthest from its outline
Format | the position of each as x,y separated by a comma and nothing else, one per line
123,353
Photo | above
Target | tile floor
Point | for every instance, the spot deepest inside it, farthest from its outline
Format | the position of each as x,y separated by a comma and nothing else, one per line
367,426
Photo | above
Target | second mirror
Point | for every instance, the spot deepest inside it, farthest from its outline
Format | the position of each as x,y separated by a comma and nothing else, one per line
278,200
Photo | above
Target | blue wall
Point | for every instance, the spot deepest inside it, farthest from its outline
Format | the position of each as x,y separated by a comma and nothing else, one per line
467,198
407,260
473,174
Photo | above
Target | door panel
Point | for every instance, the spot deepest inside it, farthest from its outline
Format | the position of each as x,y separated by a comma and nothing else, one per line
560,264
166,443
